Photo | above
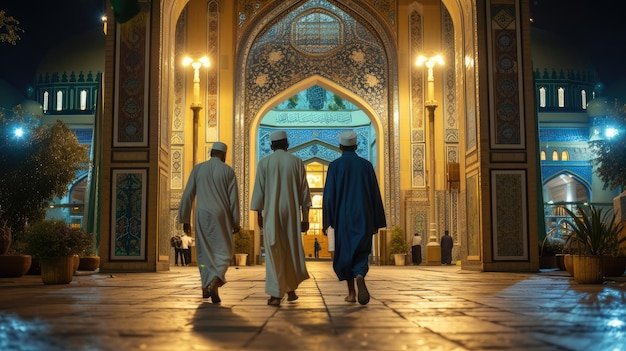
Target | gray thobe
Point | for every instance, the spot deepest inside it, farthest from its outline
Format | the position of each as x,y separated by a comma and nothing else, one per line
280,191
217,211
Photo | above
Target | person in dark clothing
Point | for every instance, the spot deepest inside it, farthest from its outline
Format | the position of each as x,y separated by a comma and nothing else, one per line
353,209
317,247
416,249
446,248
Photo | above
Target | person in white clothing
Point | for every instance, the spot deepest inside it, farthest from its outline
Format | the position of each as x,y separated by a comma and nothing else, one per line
282,200
214,184
186,244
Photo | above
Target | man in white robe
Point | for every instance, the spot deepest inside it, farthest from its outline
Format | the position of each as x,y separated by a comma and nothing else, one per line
214,184
282,200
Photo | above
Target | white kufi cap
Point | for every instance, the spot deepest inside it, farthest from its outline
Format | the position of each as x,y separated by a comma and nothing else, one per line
347,138
278,135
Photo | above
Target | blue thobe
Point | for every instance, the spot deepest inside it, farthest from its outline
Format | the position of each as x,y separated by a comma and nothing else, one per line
353,206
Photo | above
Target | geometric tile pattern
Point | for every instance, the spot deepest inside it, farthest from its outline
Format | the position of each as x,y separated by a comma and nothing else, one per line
509,215
507,120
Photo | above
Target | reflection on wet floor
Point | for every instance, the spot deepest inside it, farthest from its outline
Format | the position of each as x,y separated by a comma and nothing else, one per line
411,308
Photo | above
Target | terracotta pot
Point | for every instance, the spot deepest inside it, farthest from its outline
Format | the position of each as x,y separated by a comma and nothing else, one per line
76,262
588,269
613,266
12,266
241,259
57,270
547,262
35,267
560,261
568,261
89,263
399,259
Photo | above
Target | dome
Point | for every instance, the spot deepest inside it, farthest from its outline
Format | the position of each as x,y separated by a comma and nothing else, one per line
600,106
555,54
83,53
31,108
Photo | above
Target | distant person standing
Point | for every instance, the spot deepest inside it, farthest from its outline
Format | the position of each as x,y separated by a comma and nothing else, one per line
354,208
186,244
177,243
446,248
317,247
282,200
214,184
416,249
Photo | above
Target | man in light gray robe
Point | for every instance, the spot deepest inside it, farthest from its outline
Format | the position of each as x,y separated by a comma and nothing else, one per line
214,184
282,200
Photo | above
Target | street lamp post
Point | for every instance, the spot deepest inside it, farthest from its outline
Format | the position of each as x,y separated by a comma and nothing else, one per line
433,249
196,105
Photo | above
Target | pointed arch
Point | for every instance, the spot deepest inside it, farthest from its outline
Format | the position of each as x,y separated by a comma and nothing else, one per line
303,85
382,105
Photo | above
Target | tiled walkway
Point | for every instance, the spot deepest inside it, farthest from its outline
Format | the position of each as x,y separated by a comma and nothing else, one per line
412,308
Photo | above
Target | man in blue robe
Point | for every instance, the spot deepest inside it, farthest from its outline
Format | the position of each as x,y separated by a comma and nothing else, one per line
354,208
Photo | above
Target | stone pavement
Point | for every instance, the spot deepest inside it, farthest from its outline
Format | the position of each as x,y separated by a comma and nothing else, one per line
411,308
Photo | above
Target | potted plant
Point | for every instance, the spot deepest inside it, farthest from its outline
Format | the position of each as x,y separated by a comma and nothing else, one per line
43,165
398,246
54,243
12,264
243,243
548,253
89,260
595,233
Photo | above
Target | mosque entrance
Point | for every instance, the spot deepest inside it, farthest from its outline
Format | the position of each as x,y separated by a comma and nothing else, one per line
313,119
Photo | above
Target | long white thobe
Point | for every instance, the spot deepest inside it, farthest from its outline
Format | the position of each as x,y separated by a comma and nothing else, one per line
217,211
280,192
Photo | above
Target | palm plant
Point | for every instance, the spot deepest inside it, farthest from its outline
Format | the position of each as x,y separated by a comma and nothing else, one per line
594,231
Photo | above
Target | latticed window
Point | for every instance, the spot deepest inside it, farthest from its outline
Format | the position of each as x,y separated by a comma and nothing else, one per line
316,33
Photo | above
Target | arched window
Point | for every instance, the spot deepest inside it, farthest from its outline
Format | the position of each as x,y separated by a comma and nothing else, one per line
83,100
46,101
59,100
555,155
583,97
543,155
564,155
542,97
561,93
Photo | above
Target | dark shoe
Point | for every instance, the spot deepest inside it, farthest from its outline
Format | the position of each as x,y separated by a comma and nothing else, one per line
212,289
205,293
291,296
274,301
363,296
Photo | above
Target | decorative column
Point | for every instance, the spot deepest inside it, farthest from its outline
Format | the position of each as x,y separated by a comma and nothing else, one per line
196,105
433,249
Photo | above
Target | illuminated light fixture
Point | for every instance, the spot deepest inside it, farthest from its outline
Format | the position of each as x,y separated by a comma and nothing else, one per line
611,132
430,62
196,64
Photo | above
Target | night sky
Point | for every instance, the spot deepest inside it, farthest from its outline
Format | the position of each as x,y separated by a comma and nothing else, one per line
45,24
599,24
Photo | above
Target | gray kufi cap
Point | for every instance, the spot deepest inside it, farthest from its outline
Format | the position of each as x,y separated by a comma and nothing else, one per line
347,138
278,135
219,146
